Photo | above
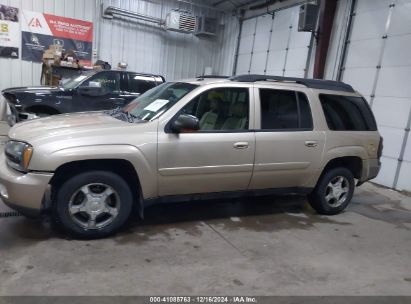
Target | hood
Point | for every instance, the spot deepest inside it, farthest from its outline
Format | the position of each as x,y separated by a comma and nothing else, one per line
65,126
30,89
39,89
32,93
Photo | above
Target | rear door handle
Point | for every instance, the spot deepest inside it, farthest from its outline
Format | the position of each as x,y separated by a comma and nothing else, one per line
311,143
241,145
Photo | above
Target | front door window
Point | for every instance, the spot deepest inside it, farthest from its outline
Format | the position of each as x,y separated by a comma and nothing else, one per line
106,80
221,109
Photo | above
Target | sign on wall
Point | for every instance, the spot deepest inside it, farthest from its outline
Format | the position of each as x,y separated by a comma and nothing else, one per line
41,30
9,31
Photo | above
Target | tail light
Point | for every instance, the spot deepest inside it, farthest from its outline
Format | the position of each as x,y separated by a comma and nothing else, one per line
380,146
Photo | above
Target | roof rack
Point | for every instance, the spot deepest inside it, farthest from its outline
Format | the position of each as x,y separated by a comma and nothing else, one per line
212,76
309,83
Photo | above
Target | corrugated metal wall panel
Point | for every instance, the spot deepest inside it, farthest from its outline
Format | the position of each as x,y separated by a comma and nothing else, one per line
147,48
26,72
224,58
143,46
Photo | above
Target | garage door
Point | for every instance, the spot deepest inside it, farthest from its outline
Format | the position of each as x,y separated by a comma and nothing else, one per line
378,64
272,45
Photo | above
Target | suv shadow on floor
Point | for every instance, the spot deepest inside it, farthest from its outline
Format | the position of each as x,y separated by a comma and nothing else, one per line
267,213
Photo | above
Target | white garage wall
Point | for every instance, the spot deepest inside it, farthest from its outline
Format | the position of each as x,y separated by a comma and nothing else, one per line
224,57
16,72
145,48
272,45
175,55
378,65
337,41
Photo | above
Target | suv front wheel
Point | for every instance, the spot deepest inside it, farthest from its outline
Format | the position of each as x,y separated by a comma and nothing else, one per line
92,204
333,192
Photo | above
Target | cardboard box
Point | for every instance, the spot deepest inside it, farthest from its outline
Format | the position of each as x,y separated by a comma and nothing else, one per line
55,79
56,61
48,54
64,63
56,48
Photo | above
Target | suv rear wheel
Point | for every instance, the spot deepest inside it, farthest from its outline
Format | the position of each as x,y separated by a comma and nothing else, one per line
93,204
333,192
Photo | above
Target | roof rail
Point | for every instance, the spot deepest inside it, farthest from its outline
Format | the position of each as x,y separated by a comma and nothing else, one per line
309,83
212,76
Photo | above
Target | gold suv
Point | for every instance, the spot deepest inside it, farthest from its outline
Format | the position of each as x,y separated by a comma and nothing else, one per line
200,138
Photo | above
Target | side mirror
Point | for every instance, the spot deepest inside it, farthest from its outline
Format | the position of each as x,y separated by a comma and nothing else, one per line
91,91
187,123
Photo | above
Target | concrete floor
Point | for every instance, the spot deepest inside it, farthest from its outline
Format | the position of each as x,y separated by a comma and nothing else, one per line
264,246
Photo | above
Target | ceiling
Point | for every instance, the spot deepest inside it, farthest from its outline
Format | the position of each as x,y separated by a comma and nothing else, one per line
227,4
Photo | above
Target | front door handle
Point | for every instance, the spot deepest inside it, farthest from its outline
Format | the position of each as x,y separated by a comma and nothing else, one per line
311,143
241,145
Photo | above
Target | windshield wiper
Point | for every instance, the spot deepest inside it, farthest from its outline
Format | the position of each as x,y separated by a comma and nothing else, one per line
120,114
133,117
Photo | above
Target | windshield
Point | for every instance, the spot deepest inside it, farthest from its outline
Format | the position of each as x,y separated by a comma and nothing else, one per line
74,81
159,99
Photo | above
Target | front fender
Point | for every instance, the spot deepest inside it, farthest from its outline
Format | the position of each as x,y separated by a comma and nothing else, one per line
144,163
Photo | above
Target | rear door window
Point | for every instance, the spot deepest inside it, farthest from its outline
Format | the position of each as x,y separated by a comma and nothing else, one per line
140,83
347,113
284,110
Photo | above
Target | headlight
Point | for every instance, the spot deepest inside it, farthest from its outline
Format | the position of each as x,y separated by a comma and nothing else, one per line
18,155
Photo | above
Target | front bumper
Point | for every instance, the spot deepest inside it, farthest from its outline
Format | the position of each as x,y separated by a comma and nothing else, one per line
15,116
23,192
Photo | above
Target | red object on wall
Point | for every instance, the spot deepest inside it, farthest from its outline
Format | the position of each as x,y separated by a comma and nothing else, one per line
70,28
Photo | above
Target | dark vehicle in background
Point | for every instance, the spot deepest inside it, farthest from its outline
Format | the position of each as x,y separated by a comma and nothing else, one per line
91,91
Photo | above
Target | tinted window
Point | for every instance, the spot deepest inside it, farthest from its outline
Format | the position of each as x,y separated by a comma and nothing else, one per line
306,120
222,109
284,110
347,113
140,83
108,81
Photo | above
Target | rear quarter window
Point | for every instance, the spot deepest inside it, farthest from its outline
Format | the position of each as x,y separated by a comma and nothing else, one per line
347,113
140,83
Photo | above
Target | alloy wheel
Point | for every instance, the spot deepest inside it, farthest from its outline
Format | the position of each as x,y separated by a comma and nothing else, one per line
94,206
336,191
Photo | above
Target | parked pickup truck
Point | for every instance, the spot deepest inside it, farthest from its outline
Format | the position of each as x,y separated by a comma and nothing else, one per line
201,138
91,91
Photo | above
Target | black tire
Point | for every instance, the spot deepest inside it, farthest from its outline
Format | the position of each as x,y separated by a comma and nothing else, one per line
70,223
317,198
